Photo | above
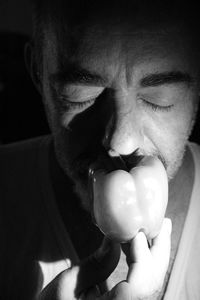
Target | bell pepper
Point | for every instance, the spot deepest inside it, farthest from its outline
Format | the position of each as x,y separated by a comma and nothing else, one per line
126,202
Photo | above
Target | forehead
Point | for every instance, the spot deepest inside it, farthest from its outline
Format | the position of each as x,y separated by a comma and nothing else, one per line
102,42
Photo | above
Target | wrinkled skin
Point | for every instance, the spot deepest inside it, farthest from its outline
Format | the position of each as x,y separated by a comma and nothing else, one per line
117,110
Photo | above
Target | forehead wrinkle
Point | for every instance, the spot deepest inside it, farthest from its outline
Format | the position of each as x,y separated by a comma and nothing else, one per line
108,52
73,33
95,54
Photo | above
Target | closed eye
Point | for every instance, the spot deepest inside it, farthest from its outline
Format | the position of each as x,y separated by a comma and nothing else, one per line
74,106
156,107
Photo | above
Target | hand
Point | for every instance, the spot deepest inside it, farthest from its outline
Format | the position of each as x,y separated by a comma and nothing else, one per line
73,282
147,269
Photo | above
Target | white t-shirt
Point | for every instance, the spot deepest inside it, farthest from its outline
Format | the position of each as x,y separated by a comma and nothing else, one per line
34,244
184,282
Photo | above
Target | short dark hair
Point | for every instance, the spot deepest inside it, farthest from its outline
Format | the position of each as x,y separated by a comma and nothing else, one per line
38,24
44,11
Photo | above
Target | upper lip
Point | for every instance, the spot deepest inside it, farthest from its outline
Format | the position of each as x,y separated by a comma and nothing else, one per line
100,159
126,162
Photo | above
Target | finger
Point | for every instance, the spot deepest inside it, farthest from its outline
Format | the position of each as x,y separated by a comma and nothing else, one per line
63,287
140,258
139,250
148,266
161,246
141,270
121,291
73,282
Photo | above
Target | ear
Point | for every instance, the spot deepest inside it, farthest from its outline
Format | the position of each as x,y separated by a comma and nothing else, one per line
32,66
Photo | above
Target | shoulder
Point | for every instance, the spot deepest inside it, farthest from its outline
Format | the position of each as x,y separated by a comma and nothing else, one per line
19,177
19,161
23,150
25,146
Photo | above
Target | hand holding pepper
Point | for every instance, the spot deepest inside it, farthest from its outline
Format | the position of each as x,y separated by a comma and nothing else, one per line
147,269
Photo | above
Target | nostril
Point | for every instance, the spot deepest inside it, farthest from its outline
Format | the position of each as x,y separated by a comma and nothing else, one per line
125,162
132,159
117,160
122,134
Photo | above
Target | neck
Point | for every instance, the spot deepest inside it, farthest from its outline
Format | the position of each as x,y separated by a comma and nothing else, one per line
180,190
180,187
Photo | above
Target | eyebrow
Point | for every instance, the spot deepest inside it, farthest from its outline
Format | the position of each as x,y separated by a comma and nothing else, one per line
157,79
76,75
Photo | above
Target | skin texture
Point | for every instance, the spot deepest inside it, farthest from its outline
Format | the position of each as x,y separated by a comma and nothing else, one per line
119,114
144,280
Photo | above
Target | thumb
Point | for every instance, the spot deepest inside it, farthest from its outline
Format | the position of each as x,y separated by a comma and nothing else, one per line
73,282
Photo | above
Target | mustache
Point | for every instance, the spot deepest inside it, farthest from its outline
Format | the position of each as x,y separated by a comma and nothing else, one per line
110,160
126,162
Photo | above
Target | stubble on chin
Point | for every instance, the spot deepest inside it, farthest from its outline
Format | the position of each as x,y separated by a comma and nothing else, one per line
80,185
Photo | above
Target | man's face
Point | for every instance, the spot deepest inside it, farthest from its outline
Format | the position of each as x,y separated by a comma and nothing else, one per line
122,87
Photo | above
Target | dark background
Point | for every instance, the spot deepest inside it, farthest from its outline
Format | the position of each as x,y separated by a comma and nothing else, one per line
21,111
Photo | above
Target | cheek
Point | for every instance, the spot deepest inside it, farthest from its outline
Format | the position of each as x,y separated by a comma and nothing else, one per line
182,120
170,133
76,134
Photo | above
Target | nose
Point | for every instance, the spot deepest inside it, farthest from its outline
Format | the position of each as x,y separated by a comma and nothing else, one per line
124,133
